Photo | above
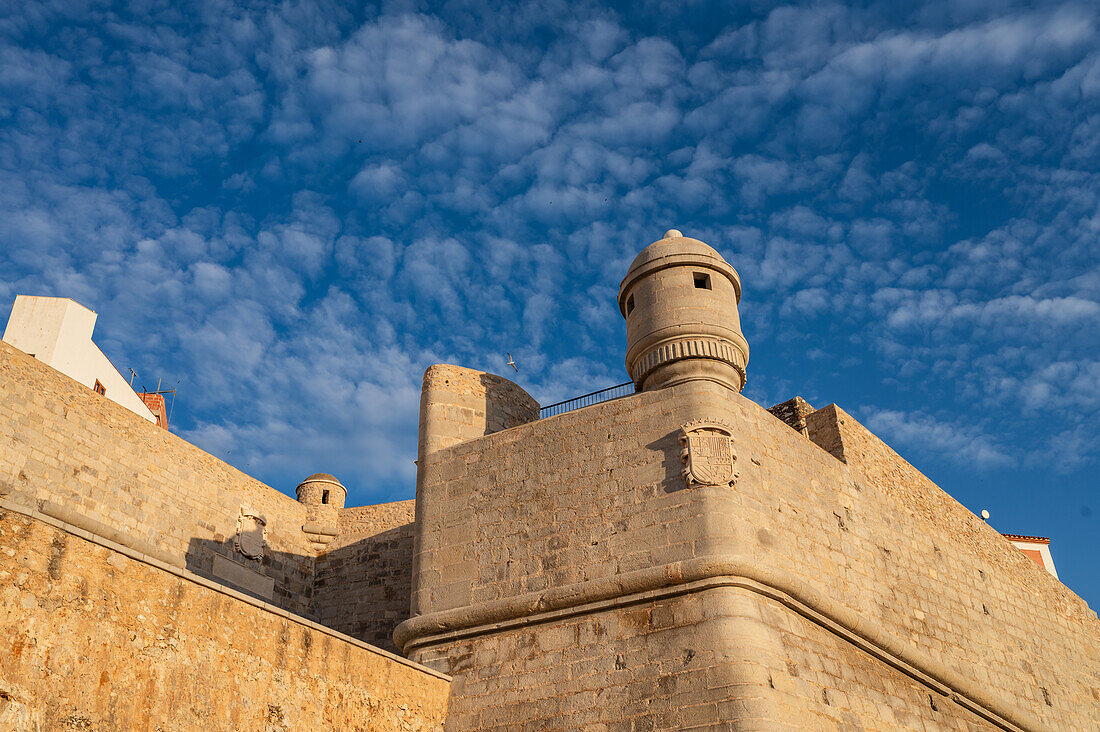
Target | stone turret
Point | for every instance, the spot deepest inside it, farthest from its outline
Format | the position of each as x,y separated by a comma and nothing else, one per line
322,489
679,298
459,404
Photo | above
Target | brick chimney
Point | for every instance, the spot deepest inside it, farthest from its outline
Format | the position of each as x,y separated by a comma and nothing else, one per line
155,402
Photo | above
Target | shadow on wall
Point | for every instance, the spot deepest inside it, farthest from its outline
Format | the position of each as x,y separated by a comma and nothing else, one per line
669,446
361,589
280,578
364,588
506,404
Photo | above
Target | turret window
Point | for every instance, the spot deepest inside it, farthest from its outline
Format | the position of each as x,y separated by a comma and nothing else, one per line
702,281
324,496
630,305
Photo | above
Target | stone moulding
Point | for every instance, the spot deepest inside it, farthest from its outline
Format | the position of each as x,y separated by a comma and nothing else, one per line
694,575
320,535
677,350
322,530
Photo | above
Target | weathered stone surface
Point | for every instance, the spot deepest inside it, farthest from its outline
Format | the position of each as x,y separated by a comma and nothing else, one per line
458,403
102,464
793,412
96,640
722,657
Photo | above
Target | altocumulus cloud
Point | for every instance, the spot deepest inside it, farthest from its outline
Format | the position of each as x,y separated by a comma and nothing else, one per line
293,209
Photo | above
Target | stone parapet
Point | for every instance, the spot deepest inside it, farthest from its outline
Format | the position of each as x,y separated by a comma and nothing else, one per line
793,412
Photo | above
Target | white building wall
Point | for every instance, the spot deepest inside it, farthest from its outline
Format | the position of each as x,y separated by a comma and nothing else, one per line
58,332
1038,546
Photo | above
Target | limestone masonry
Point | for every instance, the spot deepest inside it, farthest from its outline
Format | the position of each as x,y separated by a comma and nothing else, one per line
680,558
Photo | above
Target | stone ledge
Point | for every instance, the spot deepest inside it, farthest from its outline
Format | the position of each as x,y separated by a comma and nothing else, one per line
692,575
318,529
153,561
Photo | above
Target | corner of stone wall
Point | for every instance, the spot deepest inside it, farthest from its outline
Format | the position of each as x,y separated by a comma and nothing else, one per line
793,412
824,428
844,437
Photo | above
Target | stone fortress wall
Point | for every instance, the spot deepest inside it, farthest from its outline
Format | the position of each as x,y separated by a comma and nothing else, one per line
94,636
86,462
568,576
76,457
361,583
853,591
98,473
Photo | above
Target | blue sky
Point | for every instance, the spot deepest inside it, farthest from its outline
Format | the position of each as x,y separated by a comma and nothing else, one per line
291,210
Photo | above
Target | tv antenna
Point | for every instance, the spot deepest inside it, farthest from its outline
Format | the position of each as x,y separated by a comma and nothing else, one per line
132,375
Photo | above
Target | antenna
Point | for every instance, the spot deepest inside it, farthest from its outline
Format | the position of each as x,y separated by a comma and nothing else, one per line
985,515
132,375
173,405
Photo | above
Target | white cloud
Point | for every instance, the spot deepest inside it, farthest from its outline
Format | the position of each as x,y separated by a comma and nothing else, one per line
962,445
914,187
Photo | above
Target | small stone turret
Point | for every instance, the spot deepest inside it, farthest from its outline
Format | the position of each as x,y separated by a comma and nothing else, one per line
322,489
679,298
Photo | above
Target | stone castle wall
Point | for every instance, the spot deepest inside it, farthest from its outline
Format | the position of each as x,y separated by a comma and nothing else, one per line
974,599
865,575
84,460
117,554
701,660
362,581
95,638
91,463
564,500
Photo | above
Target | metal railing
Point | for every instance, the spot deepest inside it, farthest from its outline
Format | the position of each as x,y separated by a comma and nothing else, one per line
586,400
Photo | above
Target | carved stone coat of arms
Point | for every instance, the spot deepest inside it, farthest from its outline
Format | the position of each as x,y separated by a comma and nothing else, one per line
707,453
251,537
